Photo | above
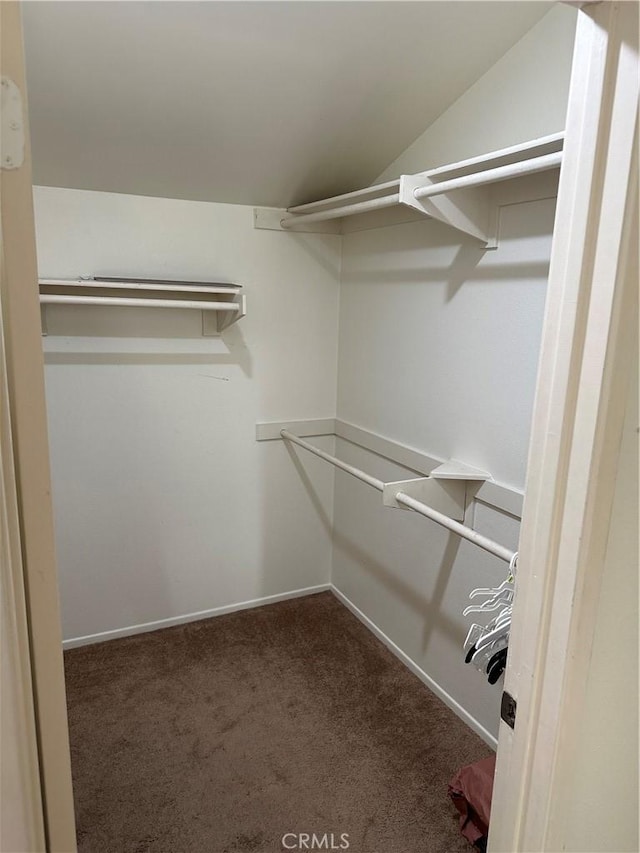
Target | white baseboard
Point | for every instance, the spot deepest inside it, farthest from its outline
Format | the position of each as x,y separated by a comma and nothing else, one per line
480,730
130,631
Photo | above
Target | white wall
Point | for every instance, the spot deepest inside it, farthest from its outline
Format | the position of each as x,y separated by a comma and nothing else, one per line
164,503
439,345
523,96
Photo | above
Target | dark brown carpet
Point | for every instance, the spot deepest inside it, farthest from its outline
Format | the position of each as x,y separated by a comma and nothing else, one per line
221,736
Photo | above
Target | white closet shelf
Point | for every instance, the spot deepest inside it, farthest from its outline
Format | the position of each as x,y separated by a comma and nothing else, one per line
455,194
454,470
221,304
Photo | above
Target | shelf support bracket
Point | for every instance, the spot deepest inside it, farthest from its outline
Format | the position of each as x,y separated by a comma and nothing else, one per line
446,496
215,322
268,219
445,489
467,210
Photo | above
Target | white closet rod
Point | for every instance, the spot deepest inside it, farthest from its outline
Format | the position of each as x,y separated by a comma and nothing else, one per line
345,210
338,199
491,176
200,305
487,176
355,472
461,529
455,526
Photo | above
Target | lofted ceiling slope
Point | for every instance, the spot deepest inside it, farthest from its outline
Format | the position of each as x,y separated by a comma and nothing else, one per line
266,103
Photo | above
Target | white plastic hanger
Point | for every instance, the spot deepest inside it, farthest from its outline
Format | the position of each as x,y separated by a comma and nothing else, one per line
487,641
504,597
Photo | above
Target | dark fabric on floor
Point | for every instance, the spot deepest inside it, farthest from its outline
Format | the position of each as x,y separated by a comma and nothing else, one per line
221,736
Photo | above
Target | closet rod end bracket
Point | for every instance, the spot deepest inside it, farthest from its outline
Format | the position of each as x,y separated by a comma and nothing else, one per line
467,210
270,219
445,496
215,322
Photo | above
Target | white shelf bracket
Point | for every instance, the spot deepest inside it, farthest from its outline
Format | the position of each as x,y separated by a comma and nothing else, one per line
448,497
467,210
269,219
215,322
445,489
454,470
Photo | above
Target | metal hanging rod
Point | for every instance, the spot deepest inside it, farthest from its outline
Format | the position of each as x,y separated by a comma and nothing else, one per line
502,157
350,469
455,526
133,302
491,176
345,210
462,530
339,199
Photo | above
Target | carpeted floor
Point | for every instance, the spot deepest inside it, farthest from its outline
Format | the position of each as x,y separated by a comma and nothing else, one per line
221,736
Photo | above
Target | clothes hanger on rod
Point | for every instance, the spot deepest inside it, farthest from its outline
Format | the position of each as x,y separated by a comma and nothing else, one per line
487,646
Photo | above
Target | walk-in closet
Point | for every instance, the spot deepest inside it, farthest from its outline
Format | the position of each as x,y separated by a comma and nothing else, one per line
299,334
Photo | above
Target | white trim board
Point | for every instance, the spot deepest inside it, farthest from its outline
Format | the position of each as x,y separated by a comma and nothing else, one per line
270,430
146,627
433,686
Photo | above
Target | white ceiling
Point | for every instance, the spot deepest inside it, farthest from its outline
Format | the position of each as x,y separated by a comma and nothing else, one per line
268,103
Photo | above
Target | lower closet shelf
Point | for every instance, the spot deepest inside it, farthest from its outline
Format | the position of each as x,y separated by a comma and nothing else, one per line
445,489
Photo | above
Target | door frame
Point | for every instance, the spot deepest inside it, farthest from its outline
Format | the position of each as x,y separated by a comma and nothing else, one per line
21,815
586,356
25,452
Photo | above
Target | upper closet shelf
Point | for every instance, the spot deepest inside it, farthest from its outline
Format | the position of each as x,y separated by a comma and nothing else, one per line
221,304
456,194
